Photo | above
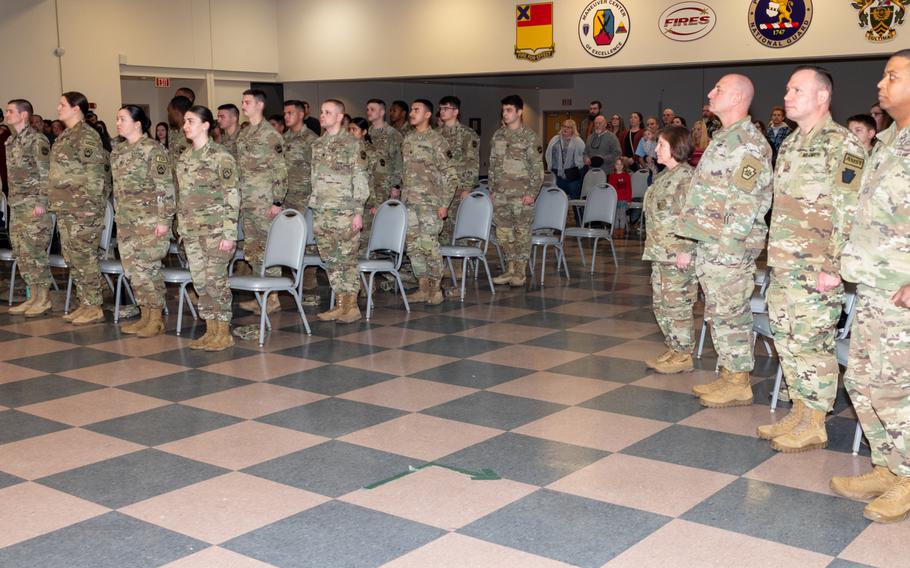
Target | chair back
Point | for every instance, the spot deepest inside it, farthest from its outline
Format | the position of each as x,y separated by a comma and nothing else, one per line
550,210
594,178
286,242
108,230
639,184
549,180
475,218
390,229
310,234
600,207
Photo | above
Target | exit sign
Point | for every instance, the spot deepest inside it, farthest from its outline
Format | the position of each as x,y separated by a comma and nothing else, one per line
162,82
567,102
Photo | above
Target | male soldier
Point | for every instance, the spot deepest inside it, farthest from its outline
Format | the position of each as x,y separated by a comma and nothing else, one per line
263,186
815,185
387,141
176,139
27,158
725,212
429,180
228,120
877,258
465,146
187,92
298,155
340,188
515,175
398,117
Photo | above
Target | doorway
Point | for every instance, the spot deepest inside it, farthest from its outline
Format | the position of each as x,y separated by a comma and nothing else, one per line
552,122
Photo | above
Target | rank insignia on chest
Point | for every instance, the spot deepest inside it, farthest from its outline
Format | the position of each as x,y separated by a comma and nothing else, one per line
847,176
749,172
279,148
87,152
45,151
382,162
363,155
473,143
540,149
227,173
161,169
449,154
161,159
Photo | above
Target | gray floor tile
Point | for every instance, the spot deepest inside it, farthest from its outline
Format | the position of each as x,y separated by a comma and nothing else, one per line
494,410
67,360
643,315
331,417
334,534
41,389
15,426
705,449
579,531
526,302
604,369
7,480
841,563
89,335
163,425
473,374
9,335
655,404
331,351
523,458
840,435
332,379
455,346
574,341
112,540
193,358
805,519
131,478
550,320
329,329
185,385
442,324
333,468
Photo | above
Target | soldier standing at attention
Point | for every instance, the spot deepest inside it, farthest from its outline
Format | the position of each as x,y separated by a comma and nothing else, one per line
465,146
816,181
675,289
516,172
27,159
340,188
725,212
359,129
398,117
387,141
144,193
177,143
76,193
207,209
429,181
263,186
229,122
877,258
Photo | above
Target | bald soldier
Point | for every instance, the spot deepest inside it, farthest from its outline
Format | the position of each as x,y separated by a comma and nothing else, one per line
725,212
816,181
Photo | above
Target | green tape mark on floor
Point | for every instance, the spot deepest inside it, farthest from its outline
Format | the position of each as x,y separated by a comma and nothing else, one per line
485,474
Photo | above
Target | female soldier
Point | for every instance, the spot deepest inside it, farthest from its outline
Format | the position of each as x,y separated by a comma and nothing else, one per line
359,127
208,205
674,290
144,197
77,194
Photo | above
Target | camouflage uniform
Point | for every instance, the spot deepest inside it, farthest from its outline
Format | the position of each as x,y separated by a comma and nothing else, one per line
177,144
675,290
877,257
376,190
144,194
27,163
340,188
429,179
207,209
465,146
298,155
387,141
816,180
725,212
77,193
230,141
515,171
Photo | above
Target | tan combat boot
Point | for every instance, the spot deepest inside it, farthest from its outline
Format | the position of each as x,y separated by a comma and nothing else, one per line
893,505
434,292
782,426
519,274
41,303
506,277
154,324
200,343
91,314
809,434
137,325
679,362
332,315
650,363
74,314
736,391
703,389
864,487
350,311
222,339
422,293
22,308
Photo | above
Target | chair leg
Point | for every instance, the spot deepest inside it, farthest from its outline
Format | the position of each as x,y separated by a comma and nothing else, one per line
594,254
306,324
701,340
581,251
502,263
562,256
486,267
613,250
451,271
543,264
129,291
369,286
263,316
464,275
532,261
857,438
117,290
69,293
189,303
12,284
332,300
777,381
404,295
180,295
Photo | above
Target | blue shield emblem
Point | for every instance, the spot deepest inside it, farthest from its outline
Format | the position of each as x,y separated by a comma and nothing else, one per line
847,175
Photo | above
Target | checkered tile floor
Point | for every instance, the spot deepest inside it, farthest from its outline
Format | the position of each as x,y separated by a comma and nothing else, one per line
122,452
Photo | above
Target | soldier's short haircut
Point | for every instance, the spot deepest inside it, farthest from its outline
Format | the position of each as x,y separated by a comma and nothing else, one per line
679,140
427,104
338,104
204,114
257,94
402,106
861,118
23,105
513,100
450,100
181,104
905,53
822,75
379,102
295,103
231,108
75,98
190,93
277,118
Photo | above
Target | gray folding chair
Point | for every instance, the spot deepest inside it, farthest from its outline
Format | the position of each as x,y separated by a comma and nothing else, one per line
110,266
310,259
6,255
387,238
594,178
639,188
483,188
474,223
600,207
285,247
842,350
759,304
238,250
549,229
183,278
549,180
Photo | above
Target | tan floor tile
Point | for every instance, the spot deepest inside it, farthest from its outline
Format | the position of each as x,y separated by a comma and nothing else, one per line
217,557
563,293
122,372
31,510
224,507
395,314
10,373
262,367
93,406
592,428
44,326
592,309
553,387
136,347
31,346
242,445
37,457
617,328
649,485
405,393
672,546
882,545
439,497
492,312
459,551
506,332
254,400
391,337
811,471
398,362
636,350
680,382
742,420
420,436
528,357
278,340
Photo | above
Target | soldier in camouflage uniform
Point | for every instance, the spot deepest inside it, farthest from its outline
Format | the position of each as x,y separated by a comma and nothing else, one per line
675,290
877,258
340,188
816,181
77,193
725,211
27,159
359,129
177,143
429,180
387,141
229,122
515,175
398,117
465,146
208,207
144,194
263,186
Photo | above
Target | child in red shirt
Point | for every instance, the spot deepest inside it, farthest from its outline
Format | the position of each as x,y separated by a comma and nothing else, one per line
622,183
